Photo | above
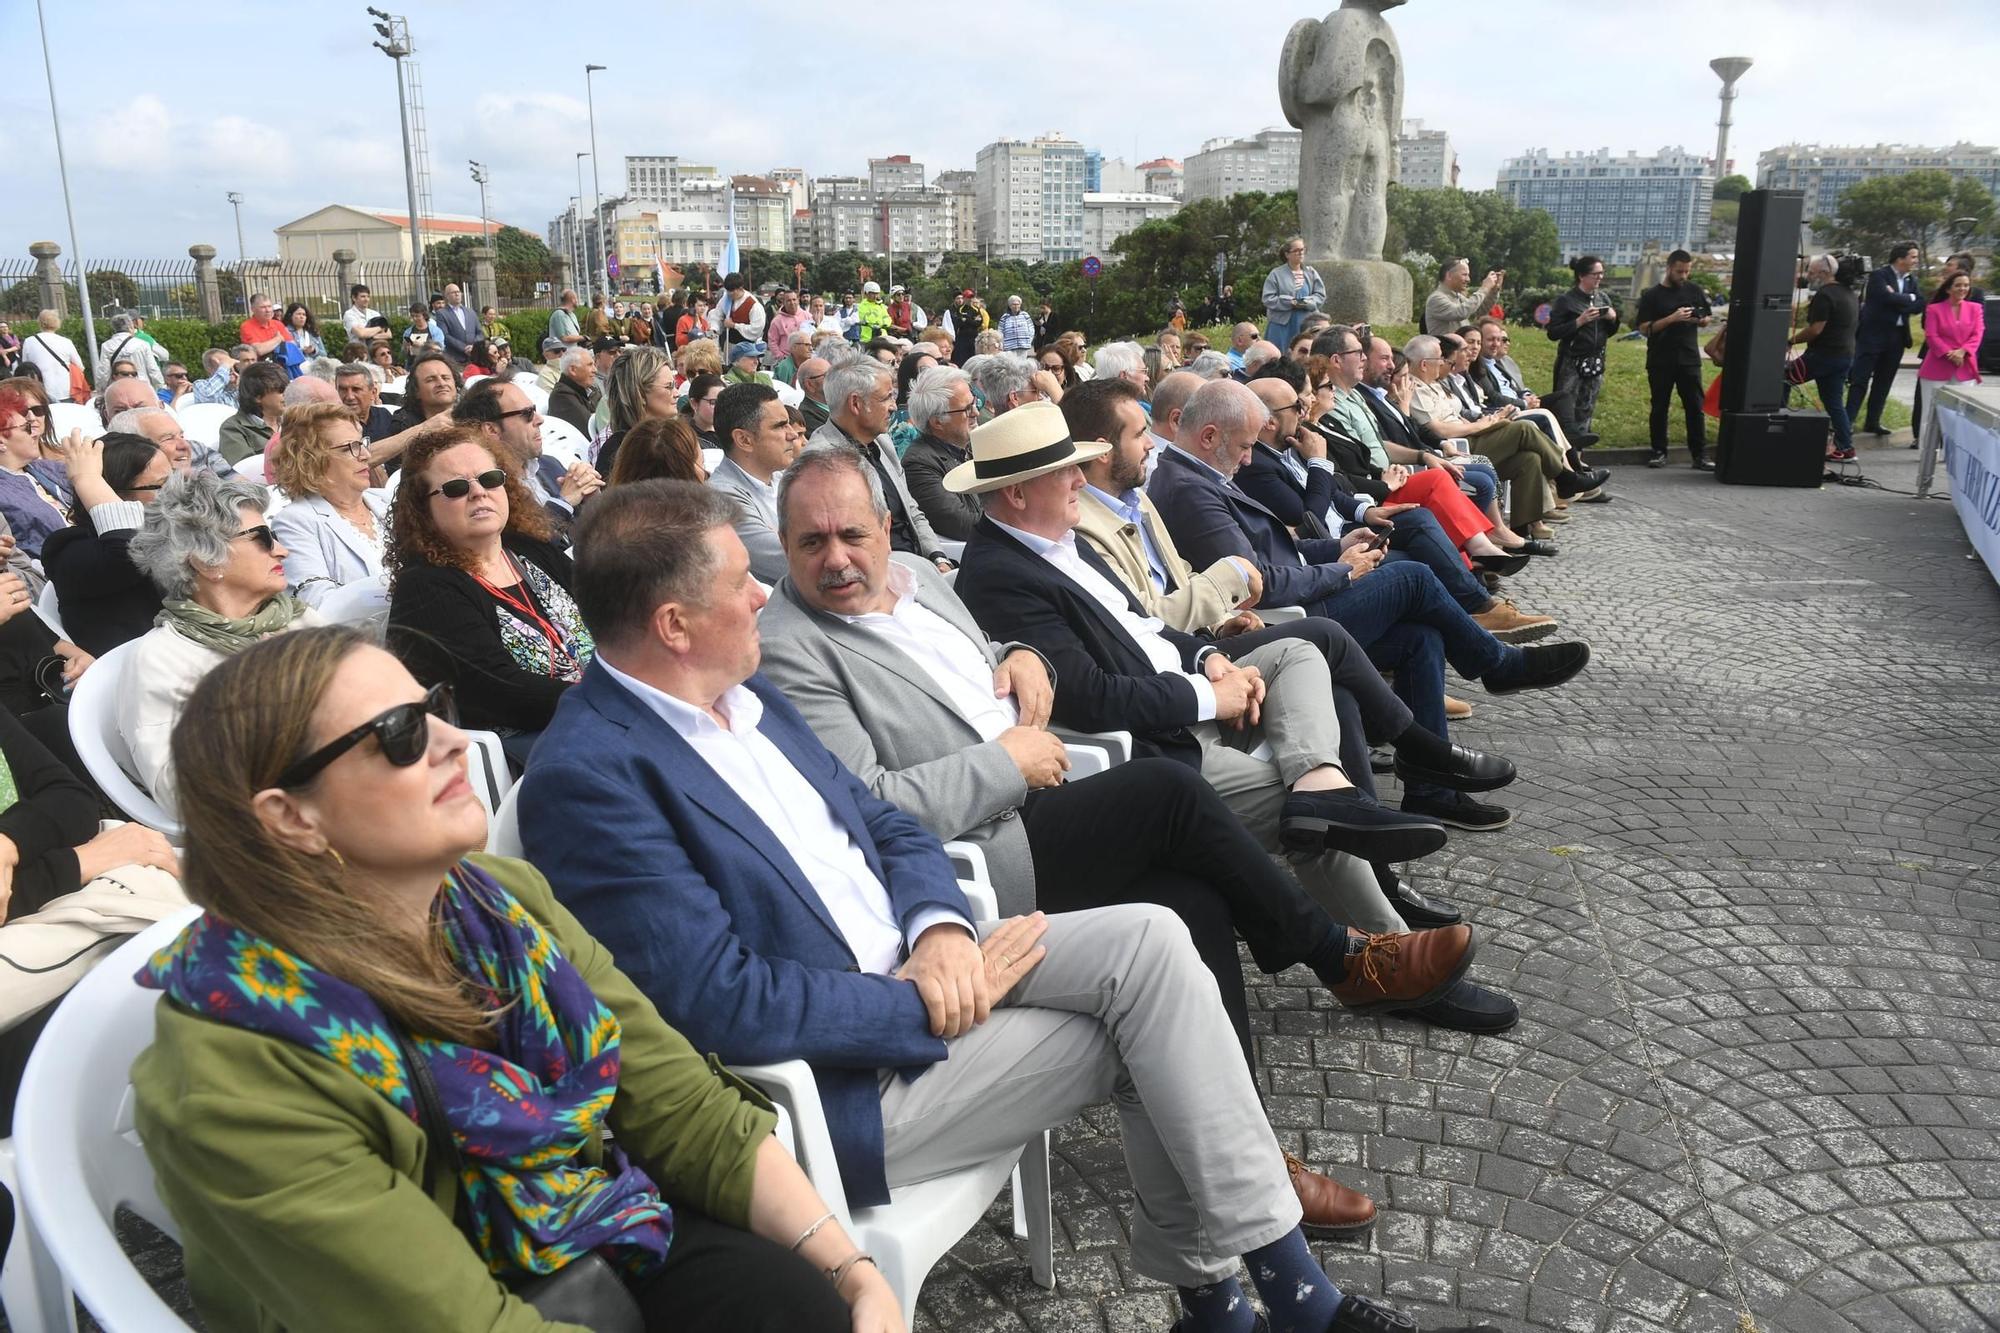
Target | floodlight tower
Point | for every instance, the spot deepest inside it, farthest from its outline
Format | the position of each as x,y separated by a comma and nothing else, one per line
1729,69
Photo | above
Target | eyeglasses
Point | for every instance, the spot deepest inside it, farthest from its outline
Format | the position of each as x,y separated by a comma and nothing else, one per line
403,732
177,374
355,449
459,487
967,410
32,411
261,534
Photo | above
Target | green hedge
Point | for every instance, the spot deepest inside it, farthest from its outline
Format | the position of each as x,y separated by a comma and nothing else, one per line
186,339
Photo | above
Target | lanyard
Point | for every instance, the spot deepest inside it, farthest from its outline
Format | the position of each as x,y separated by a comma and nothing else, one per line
518,600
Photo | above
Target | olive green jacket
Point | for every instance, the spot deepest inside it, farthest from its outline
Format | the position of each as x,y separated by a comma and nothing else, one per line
299,1189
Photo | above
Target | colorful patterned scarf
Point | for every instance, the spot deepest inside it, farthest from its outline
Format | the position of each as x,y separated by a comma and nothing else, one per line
521,1114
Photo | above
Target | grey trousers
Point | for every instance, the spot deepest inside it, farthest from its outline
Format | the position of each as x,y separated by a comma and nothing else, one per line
1121,1008
1299,723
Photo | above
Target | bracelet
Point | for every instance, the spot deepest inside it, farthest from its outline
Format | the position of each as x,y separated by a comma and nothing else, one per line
838,1274
810,1231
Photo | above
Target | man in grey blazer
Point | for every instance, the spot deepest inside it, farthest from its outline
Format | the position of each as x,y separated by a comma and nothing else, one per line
897,680
758,442
862,393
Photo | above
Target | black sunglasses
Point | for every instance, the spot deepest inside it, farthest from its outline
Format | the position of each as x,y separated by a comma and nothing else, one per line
459,487
261,534
404,733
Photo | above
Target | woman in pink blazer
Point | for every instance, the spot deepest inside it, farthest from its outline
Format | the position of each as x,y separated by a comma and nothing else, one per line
1953,326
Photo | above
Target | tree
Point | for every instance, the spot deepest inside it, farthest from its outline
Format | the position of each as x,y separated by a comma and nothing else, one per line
1928,207
520,260
1480,225
1731,188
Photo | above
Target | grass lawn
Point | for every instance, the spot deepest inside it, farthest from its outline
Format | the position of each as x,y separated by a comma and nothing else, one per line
1622,404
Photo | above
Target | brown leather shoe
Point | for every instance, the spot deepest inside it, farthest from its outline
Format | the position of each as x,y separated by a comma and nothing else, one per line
1510,624
1456,709
1331,1209
1403,971
1540,532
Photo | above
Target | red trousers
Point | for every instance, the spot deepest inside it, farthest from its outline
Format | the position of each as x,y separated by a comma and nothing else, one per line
1436,489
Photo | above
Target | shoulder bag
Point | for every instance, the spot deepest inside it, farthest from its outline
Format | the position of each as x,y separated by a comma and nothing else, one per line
79,383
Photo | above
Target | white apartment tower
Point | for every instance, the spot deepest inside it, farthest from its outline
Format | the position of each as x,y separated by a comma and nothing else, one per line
1029,198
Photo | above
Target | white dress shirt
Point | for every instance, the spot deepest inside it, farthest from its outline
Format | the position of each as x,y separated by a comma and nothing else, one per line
952,661
798,817
1144,631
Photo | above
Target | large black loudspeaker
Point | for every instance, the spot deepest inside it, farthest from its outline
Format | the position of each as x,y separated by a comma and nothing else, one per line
1760,300
1771,449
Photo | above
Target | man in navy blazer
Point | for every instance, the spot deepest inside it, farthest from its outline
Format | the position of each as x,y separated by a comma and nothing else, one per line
1883,334
773,909
460,325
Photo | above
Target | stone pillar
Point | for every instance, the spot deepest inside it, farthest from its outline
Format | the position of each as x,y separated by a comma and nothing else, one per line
207,291
563,280
484,292
348,275
55,296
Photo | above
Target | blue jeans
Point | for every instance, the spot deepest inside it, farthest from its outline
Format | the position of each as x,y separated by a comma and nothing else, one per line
1829,376
1409,624
1485,485
1418,537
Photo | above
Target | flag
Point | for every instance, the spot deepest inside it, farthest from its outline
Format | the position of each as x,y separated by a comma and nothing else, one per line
731,260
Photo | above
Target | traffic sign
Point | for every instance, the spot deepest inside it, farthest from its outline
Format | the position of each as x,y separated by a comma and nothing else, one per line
1092,266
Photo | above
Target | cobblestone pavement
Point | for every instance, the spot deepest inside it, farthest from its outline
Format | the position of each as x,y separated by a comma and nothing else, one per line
1748,909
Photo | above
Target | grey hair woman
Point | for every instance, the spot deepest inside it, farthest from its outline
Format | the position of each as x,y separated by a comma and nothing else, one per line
221,575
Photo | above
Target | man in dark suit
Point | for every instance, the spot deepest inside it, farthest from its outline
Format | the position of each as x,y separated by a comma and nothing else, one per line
1399,612
460,325
1883,334
774,909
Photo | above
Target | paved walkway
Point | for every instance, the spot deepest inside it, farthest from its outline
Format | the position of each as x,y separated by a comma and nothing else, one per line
1748,909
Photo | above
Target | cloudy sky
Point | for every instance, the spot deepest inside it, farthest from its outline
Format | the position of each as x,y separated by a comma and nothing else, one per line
288,103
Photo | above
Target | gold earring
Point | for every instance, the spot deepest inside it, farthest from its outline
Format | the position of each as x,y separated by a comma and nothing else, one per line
338,860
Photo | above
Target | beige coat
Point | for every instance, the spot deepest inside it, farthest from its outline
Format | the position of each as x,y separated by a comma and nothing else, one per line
1198,601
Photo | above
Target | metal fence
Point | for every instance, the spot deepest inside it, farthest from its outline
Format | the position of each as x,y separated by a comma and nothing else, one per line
166,288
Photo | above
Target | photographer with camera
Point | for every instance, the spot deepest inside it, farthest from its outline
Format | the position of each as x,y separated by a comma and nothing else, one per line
1581,322
1669,314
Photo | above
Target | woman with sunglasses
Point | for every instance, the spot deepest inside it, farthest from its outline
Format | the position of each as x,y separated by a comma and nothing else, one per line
104,598
41,418
35,495
479,595
398,1120
221,577
336,525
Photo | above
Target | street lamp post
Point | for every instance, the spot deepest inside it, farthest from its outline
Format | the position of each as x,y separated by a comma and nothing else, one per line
62,168
596,190
481,175
395,44
242,262
583,272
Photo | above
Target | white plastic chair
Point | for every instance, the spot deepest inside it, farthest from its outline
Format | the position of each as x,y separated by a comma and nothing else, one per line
252,467
564,441
202,422
362,602
66,417
1278,615
1118,744
487,769
711,459
79,1157
93,726
910,1233
536,393
49,608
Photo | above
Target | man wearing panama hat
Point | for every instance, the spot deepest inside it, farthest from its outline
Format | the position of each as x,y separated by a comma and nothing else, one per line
1026,579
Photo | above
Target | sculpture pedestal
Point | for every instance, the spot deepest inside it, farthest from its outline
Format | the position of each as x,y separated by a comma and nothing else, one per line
1367,291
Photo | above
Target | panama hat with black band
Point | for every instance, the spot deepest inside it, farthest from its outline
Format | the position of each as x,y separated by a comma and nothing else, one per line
1018,446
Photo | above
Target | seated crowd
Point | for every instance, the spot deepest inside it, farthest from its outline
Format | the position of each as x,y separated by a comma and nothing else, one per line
786,609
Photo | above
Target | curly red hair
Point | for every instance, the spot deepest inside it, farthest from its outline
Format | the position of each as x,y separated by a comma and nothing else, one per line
416,536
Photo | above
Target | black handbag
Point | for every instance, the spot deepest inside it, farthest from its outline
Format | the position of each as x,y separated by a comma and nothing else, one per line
587,1291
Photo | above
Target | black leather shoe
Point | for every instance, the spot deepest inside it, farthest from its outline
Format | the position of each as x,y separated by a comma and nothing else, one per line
1358,1314
1460,811
1703,465
1541,666
1508,562
1583,439
1470,770
1535,546
1417,911
1347,821
1466,1007
1575,483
